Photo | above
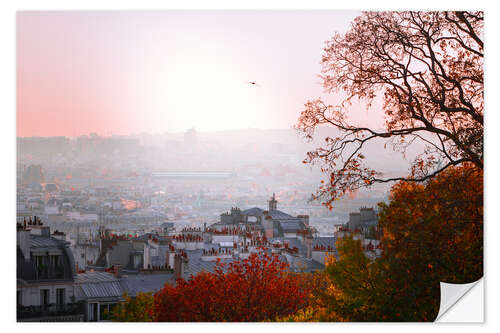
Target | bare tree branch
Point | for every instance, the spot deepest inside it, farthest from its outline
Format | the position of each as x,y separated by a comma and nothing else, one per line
428,67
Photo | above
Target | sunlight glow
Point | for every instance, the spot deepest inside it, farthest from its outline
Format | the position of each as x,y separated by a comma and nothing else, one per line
206,95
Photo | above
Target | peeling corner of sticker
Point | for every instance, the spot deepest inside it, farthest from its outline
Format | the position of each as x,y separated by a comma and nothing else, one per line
451,295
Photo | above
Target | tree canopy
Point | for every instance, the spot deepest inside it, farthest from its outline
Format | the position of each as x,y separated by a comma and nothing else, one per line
134,309
439,224
427,67
432,232
253,289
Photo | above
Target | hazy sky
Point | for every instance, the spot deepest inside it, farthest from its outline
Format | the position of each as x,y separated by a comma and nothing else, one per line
166,71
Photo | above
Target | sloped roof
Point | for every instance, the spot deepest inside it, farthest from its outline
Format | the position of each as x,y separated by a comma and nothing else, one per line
38,243
313,265
94,277
279,215
99,285
255,211
145,283
196,265
275,213
42,241
324,241
102,289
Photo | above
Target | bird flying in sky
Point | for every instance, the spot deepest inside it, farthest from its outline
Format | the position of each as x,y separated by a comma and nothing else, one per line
254,83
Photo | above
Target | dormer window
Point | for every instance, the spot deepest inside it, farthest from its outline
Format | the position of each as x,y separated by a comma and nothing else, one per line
57,267
42,268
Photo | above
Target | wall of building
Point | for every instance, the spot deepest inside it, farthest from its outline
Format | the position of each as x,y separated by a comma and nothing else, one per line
120,254
226,219
30,295
367,214
354,220
84,253
269,233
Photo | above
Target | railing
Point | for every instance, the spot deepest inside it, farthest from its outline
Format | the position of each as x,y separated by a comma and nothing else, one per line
50,310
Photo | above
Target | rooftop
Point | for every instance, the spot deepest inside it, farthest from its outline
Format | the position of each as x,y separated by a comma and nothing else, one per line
145,282
42,241
99,285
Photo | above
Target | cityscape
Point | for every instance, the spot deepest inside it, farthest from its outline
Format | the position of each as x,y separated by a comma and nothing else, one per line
186,169
115,216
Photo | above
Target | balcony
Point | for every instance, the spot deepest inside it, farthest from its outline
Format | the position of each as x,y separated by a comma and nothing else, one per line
51,312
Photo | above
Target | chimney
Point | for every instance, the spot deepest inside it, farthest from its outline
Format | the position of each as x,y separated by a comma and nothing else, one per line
117,272
40,231
59,235
269,227
177,266
304,218
309,247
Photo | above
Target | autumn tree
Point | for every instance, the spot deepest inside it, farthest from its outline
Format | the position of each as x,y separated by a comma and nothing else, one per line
427,69
317,308
384,289
438,224
253,289
432,232
137,309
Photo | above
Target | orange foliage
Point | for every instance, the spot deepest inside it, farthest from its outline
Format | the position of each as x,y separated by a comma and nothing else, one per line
432,232
438,224
254,289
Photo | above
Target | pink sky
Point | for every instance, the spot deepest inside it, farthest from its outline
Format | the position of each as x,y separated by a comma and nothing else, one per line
166,71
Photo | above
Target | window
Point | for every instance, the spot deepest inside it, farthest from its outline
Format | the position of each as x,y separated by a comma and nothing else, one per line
19,298
39,261
44,298
42,267
57,267
93,312
60,297
105,310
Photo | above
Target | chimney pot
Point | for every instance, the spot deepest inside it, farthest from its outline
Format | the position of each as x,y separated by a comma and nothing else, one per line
117,271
